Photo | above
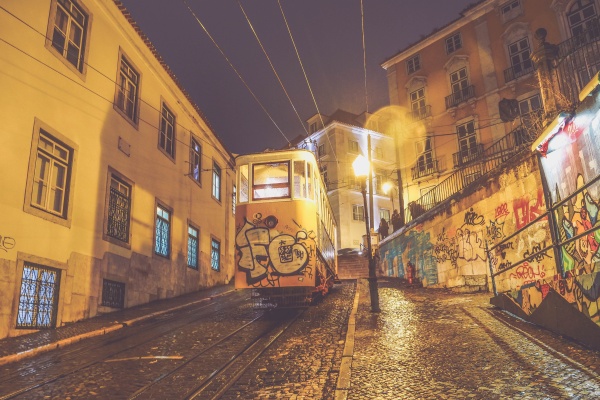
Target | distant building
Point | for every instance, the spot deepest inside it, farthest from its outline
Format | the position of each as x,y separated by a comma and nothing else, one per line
115,190
472,83
337,140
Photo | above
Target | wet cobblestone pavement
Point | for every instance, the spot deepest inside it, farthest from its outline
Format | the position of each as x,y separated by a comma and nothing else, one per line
424,344
432,344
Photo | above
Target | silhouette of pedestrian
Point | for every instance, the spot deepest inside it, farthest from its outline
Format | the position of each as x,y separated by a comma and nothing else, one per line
383,228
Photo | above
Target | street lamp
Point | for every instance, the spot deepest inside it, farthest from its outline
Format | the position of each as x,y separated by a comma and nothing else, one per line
362,168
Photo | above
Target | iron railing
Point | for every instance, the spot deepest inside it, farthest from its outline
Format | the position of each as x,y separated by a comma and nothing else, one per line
421,113
578,60
510,146
467,155
459,96
518,70
424,168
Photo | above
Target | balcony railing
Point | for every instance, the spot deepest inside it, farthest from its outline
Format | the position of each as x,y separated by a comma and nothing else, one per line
514,144
423,169
468,155
459,96
578,60
421,113
518,70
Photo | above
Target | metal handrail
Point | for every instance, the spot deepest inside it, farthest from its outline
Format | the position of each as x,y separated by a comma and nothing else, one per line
459,96
518,70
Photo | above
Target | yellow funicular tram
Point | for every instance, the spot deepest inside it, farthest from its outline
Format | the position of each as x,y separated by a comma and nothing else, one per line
285,230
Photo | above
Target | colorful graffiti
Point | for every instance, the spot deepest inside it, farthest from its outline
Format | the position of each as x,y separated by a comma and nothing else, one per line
577,216
415,247
467,243
266,254
582,292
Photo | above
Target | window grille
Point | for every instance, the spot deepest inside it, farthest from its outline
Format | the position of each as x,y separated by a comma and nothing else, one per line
163,230
119,203
113,294
215,255
38,300
193,241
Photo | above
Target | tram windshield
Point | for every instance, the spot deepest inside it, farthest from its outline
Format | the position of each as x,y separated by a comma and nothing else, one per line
271,180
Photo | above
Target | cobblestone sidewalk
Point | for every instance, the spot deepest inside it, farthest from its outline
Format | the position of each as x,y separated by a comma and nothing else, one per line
435,344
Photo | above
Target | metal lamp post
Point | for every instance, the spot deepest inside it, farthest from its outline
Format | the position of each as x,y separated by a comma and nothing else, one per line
362,168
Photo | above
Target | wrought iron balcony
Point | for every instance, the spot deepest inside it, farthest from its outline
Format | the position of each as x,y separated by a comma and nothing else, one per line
425,168
460,96
421,113
467,155
578,60
518,70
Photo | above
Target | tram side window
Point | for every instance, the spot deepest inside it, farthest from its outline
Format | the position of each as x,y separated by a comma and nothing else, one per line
300,179
271,180
243,198
311,183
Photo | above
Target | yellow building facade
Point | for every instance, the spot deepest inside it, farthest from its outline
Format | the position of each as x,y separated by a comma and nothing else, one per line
116,191
471,83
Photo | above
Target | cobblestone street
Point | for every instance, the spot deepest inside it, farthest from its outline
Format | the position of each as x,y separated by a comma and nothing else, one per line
424,344
428,344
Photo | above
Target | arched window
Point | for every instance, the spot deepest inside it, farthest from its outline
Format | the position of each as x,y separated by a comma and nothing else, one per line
582,17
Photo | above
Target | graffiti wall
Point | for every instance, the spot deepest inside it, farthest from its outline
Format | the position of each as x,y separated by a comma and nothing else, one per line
450,247
275,247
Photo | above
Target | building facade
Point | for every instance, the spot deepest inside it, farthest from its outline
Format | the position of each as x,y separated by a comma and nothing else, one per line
470,85
116,191
337,140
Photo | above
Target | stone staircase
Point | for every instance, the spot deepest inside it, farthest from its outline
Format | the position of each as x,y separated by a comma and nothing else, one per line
353,266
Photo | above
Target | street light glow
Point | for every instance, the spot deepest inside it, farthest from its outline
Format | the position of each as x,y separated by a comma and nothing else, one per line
386,187
361,166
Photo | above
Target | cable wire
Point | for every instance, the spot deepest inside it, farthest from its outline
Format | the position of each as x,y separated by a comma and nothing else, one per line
305,76
272,67
362,25
235,70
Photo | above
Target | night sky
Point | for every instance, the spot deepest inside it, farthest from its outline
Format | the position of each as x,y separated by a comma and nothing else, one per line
328,36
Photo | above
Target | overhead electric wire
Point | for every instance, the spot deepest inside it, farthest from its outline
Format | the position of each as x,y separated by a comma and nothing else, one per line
272,66
235,70
306,77
362,25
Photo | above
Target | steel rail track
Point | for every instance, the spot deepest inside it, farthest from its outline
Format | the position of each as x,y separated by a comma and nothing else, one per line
217,383
75,353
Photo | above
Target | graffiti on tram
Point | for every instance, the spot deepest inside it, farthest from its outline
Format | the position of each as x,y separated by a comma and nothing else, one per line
266,254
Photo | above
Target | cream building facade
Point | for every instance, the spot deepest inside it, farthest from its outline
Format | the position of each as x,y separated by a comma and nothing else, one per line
472,83
337,140
116,191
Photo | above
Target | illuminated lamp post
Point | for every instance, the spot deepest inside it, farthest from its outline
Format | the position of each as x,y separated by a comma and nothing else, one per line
362,168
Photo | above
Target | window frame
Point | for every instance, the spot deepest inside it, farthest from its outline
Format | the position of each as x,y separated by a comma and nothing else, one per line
170,155
164,207
353,146
214,240
216,186
413,64
85,40
452,44
193,155
114,174
65,218
133,120
191,225
356,215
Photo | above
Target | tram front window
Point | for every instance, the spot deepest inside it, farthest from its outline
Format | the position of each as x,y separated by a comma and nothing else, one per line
271,180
